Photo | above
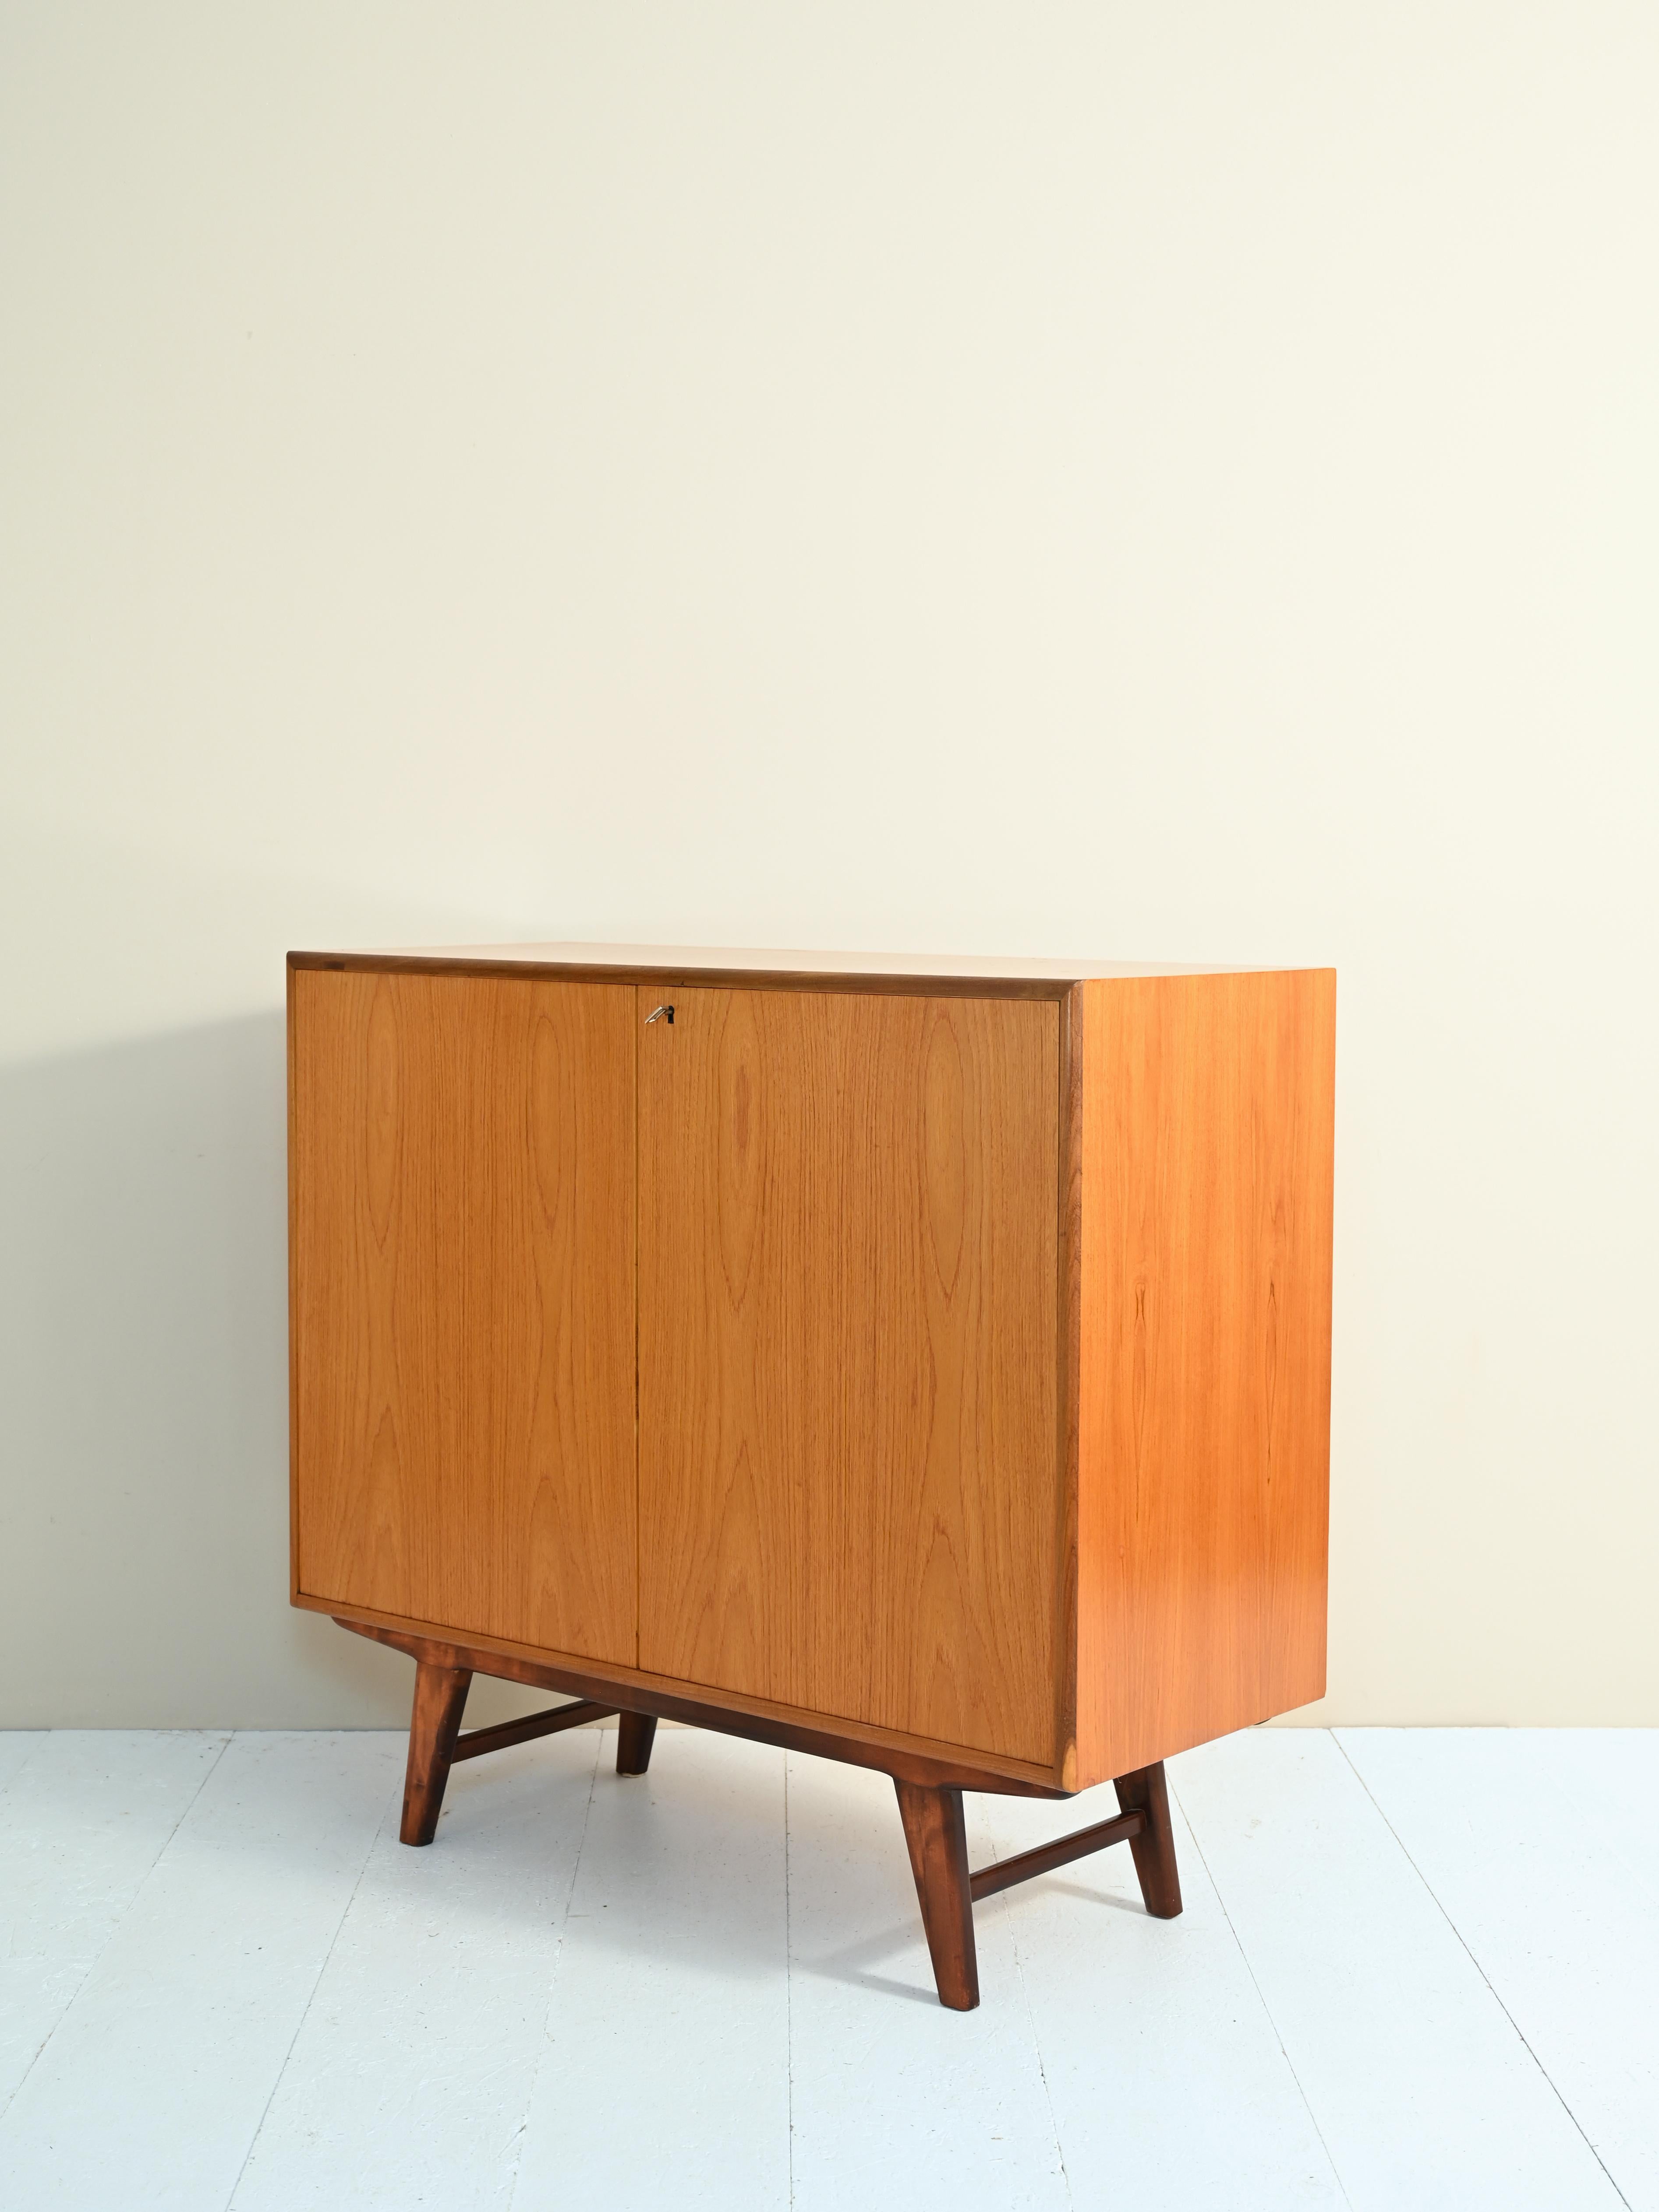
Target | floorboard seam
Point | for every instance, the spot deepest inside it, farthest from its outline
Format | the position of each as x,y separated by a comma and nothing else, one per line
599,1735
92,1963
788,1987
375,1834
1429,1887
1036,2041
1262,1998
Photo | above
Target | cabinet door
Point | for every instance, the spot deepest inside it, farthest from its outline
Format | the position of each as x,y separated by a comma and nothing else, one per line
848,1464
462,1163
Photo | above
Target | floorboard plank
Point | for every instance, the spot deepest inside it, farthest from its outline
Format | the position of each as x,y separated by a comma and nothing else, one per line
81,1827
411,2079
663,2079
17,1747
897,2102
1142,2024
244,1976
152,2085
1539,1845
1425,2094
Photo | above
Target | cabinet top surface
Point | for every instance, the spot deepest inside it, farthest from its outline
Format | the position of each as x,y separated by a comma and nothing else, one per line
722,962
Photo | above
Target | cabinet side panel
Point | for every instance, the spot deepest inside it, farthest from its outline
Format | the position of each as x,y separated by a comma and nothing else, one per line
850,1501
1072,1623
1205,1365
463,1303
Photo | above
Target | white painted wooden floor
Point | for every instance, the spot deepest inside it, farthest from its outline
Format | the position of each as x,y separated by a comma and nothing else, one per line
1415,1970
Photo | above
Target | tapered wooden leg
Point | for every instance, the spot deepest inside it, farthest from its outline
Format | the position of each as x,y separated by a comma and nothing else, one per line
938,1843
440,1694
1145,1792
635,1735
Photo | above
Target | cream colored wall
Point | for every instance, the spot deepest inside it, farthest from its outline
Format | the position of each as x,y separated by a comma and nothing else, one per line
1086,479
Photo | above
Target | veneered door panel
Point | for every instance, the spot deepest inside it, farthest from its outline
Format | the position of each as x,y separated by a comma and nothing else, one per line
848,1479
463,1303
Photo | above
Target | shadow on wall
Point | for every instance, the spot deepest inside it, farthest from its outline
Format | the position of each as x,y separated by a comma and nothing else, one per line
143,1402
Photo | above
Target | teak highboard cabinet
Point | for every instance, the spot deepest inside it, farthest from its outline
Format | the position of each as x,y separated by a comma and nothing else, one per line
922,1362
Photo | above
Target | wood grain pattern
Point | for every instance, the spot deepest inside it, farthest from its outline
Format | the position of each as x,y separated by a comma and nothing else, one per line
478,1743
850,1742
433,1725
849,1494
1154,1843
983,1344
634,1738
936,1837
1026,1866
1205,1375
1147,1793
462,1287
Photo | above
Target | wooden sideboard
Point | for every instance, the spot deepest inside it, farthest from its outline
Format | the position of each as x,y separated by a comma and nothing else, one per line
923,1363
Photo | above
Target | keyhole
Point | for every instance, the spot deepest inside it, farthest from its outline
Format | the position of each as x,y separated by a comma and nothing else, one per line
658,1013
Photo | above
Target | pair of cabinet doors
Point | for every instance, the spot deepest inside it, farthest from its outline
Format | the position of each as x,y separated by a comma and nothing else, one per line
722,1346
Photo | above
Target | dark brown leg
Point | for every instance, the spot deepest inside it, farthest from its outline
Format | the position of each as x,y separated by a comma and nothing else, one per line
1145,1792
939,1859
440,1694
634,1737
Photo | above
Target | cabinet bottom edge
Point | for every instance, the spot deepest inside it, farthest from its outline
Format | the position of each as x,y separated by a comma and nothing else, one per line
827,1736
